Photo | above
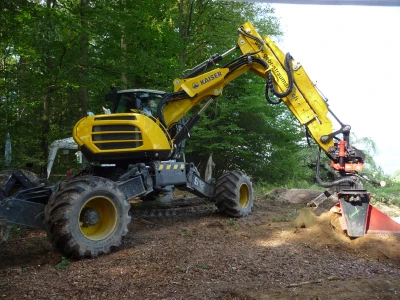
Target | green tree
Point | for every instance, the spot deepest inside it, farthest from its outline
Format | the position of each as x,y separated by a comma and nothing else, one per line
44,62
396,176
208,27
369,147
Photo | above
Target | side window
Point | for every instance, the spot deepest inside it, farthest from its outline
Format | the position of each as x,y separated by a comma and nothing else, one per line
123,104
150,107
141,100
128,102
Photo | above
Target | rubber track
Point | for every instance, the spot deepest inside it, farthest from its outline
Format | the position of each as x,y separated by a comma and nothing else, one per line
166,213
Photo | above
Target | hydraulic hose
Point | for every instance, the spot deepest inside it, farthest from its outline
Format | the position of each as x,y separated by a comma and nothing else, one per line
332,183
270,83
243,60
165,100
270,101
259,41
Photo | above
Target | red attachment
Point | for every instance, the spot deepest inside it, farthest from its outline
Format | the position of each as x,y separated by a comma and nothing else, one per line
341,164
342,148
342,155
377,221
348,167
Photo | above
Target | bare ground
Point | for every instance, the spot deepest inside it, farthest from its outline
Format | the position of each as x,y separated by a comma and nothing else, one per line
202,255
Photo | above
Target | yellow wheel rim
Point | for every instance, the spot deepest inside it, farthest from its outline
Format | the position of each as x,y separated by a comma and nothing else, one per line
106,217
244,195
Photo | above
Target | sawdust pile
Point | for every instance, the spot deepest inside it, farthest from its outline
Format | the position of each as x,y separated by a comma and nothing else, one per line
325,230
322,227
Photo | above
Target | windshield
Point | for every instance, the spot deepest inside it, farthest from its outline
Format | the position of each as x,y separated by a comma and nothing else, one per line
141,100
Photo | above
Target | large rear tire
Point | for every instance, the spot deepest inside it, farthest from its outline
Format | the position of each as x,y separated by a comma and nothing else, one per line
87,217
234,194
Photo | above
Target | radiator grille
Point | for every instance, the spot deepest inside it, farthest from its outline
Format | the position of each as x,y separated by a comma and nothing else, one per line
100,128
114,137
119,145
115,118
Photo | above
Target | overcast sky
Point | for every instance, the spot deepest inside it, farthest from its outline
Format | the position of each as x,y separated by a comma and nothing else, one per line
352,52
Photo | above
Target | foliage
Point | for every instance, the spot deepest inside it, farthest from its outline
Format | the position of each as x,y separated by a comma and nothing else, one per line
63,264
208,27
59,62
390,194
396,176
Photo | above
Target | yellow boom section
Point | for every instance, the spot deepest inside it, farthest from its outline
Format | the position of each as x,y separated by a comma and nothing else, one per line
304,101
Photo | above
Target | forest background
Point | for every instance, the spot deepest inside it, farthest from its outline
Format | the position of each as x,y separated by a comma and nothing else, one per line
59,57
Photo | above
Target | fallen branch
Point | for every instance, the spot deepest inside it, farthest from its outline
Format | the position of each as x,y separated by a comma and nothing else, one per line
304,283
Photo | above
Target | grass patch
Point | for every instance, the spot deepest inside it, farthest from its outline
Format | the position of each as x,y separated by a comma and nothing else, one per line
62,265
231,223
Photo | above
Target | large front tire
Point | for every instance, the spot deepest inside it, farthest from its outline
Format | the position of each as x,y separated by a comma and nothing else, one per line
87,217
234,194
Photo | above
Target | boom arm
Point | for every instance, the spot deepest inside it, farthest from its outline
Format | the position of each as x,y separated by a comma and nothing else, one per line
285,79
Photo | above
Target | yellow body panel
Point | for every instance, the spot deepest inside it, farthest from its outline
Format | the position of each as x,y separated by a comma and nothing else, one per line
126,132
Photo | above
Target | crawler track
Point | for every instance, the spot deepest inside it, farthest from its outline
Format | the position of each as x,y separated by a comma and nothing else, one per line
170,209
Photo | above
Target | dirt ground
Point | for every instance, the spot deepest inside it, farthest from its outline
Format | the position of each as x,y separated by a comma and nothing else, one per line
199,254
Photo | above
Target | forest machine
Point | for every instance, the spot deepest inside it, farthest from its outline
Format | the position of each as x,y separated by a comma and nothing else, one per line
134,152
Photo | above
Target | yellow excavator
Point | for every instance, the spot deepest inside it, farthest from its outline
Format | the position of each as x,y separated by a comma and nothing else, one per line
134,152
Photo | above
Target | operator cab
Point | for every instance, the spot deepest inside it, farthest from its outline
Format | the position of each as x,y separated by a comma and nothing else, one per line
141,99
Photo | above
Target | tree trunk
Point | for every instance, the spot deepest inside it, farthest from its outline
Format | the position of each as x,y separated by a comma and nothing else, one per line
44,144
124,48
83,63
185,19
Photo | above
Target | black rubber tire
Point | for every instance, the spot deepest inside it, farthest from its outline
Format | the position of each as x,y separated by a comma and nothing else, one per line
4,175
161,196
234,195
65,212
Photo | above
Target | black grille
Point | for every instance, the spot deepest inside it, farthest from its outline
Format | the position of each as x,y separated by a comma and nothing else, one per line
102,128
116,136
119,145
115,118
